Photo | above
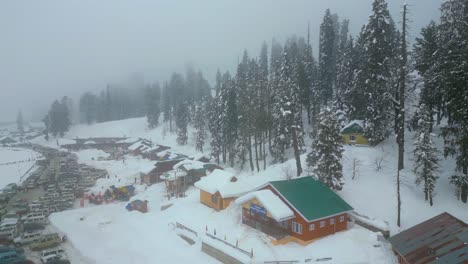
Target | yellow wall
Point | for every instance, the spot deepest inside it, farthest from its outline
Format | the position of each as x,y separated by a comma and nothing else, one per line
246,205
360,139
205,198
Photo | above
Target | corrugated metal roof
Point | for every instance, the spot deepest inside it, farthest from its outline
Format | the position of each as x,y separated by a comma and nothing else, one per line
441,239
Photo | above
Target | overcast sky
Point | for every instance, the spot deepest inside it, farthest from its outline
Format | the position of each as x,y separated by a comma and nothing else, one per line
53,48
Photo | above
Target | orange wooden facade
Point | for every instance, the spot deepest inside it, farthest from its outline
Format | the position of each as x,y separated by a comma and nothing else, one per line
309,231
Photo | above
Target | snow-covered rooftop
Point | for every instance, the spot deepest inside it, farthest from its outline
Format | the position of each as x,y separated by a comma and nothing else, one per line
350,124
218,180
272,203
172,175
129,140
190,165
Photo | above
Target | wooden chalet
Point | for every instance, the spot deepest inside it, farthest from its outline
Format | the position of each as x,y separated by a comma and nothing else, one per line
218,189
441,239
300,210
353,133
160,168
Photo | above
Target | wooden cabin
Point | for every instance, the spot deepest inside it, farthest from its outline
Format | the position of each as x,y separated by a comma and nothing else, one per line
217,189
160,168
441,239
353,133
300,210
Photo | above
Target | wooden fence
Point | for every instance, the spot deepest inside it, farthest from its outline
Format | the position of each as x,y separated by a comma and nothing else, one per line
249,254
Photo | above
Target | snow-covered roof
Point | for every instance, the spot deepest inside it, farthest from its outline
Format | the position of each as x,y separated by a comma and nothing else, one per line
90,142
190,165
350,124
129,140
137,145
199,156
172,175
218,180
272,203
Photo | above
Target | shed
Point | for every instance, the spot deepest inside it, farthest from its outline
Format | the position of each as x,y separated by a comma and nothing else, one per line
218,190
441,239
353,133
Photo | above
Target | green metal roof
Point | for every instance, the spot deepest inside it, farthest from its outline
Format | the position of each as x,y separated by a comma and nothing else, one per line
311,198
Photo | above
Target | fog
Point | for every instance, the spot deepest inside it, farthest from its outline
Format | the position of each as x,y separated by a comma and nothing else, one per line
49,49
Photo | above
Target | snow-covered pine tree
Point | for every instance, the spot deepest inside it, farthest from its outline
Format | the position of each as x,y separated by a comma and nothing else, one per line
167,105
46,121
425,54
153,102
273,87
452,70
227,118
199,124
244,110
182,119
379,50
264,116
344,78
215,126
426,162
20,123
327,58
327,149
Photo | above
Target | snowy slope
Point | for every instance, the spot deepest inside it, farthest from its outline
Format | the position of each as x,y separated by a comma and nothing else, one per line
23,160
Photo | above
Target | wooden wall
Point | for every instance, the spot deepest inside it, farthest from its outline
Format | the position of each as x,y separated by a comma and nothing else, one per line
360,139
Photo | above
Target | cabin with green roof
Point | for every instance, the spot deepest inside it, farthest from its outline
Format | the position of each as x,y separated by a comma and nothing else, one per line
353,133
300,210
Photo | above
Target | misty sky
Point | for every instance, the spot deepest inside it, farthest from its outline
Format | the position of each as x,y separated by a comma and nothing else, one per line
53,48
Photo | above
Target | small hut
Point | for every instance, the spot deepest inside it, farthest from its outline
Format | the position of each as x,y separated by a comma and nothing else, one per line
353,133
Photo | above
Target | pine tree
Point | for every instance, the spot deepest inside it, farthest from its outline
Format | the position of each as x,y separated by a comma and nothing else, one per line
20,124
327,58
327,149
451,72
153,101
377,90
425,53
200,125
344,80
167,105
46,121
425,154
215,126
88,107
182,119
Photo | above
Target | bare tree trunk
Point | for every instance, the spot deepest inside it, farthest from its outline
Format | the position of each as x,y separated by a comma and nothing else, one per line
297,153
264,154
399,199
256,152
250,154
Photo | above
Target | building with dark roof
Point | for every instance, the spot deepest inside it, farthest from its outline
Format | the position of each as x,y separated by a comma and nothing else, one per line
314,211
441,239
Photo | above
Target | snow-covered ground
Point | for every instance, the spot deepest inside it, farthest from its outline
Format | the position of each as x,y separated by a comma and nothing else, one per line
110,234
14,163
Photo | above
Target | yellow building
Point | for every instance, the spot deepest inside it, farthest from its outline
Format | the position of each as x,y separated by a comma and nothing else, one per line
218,189
353,133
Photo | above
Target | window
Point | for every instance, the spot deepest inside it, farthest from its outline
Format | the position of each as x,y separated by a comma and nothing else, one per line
342,218
352,137
311,227
332,221
322,224
283,224
296,227
214,198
